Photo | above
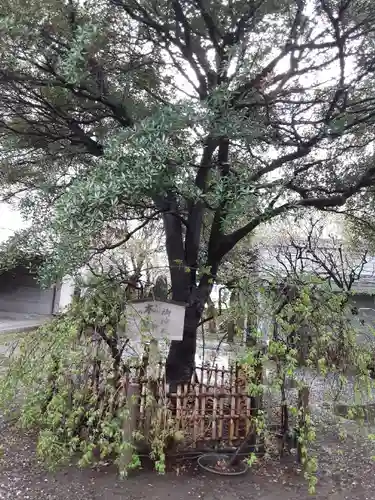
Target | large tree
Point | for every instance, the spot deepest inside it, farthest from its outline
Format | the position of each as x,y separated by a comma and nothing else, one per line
213,117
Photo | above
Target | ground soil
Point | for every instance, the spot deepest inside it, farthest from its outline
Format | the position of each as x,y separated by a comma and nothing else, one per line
346,471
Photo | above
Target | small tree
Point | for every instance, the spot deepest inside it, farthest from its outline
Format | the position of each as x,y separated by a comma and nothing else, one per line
76,380
310,281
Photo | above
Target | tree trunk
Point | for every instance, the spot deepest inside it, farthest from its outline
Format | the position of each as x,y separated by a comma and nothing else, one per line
183,266
181,356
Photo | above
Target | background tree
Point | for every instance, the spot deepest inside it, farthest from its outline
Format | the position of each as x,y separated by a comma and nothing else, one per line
306,249
138,265
310,279
305,257
214,118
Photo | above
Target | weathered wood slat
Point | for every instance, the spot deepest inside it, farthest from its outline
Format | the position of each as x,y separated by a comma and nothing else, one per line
214,408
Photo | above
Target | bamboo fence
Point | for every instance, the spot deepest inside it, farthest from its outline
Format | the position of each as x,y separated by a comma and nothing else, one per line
213,410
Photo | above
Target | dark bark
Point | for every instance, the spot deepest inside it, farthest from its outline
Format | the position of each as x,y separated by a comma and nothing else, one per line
181,356
182,251
180,361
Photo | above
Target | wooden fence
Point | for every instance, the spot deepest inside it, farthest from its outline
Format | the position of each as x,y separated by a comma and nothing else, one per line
213,410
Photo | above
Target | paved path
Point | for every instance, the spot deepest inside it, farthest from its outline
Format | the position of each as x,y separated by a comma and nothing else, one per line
16,323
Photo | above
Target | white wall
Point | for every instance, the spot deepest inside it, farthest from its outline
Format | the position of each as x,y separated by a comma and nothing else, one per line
64,296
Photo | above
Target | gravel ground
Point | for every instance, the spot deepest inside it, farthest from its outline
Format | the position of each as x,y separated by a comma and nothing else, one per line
346,471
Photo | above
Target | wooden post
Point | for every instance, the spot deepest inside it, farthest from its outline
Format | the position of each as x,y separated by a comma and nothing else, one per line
196,414
214,407
232,389
303,407
130,424
152,389
203,409
221,406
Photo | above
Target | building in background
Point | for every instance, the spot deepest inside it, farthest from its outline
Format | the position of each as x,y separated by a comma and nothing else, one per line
21,295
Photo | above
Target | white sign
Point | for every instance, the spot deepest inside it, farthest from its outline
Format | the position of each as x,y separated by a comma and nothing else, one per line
155,319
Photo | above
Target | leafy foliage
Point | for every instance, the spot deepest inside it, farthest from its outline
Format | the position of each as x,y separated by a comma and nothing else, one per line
213,120
69,382
311,337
